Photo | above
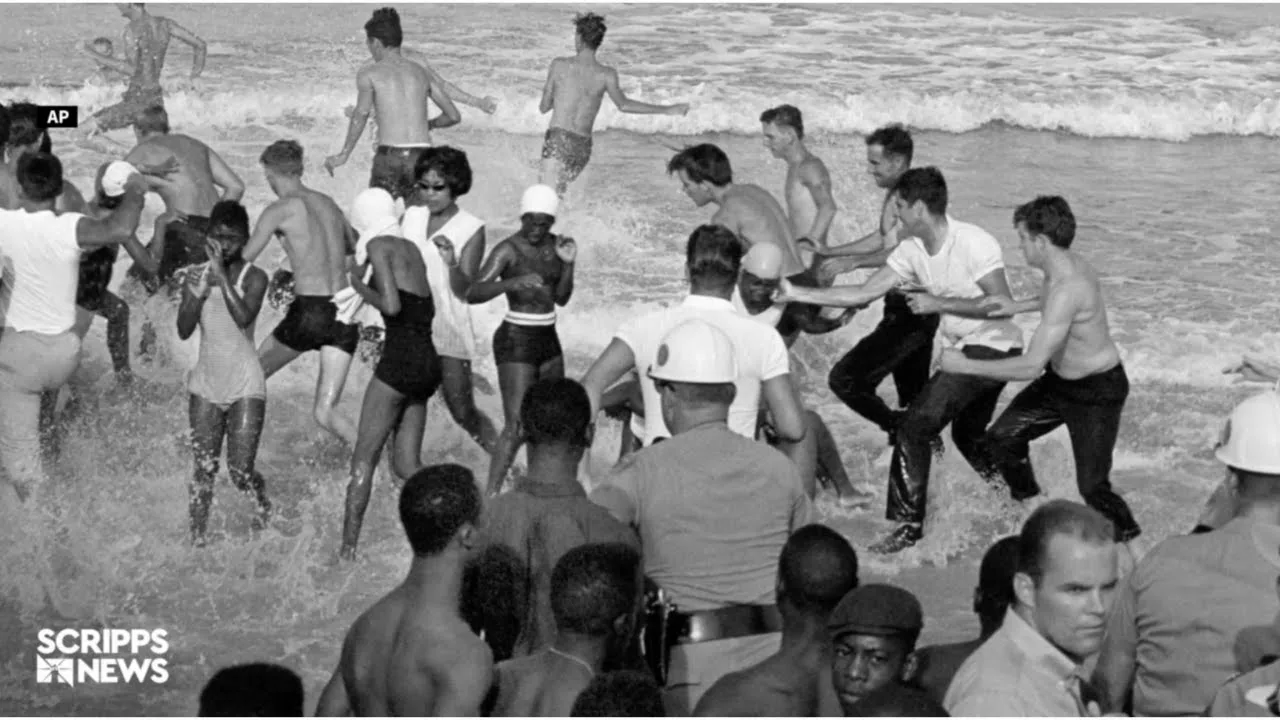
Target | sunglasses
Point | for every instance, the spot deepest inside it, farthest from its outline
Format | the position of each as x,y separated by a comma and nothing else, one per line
439,187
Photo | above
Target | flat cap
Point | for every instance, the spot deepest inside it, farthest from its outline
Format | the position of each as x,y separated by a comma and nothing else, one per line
877,609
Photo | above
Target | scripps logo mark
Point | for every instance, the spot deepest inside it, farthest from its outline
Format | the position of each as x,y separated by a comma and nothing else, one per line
101,656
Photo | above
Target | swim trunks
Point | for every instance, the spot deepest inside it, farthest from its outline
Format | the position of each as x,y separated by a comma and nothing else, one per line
95,274
571,149
533,345
409,363
184,246
312,323
393,169
123,113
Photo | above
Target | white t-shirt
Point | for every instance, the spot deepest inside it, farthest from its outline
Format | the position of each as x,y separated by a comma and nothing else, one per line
968,254
39,270
761,356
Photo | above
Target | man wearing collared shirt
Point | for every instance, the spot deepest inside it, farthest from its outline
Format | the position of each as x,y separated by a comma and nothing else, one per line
714,510
960,268
1170,640
1067,575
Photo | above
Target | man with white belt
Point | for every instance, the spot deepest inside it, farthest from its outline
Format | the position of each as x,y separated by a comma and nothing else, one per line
713,509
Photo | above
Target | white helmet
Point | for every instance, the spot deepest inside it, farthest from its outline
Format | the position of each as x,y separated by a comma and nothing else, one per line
695,351
1251,438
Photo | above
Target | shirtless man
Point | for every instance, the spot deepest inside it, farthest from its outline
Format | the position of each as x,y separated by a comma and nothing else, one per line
1083,383
574,89
534,269
748,210
397,89
146,40
595,595
412,654
317,239
810,206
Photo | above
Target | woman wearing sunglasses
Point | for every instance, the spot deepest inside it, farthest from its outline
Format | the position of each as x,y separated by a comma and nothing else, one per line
228,390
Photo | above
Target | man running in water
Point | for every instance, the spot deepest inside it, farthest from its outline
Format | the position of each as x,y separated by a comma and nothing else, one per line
574,89
1079,379
146,40
534,269
397,89
810,206
412,654
317,239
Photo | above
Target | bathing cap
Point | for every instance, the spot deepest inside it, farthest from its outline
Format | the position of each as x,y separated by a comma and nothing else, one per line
116,175
540,199
764,260
373,211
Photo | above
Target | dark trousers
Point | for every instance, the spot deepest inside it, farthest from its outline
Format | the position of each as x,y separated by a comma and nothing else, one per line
966,403
901,345
1091,408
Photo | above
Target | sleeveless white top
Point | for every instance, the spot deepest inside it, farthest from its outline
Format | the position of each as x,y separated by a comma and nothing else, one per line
452,330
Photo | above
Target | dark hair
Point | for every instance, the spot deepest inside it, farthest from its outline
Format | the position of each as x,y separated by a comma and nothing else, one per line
40,176
925,184
284,157
1054,518
494,597
24,127
817,568
230,214
253,690
592,585
995,579
556,410
4,126
1048,215
713,256
435,503
153,119
384,27
590,27
450,163
623,693
785,116
703,163
894,139
897,700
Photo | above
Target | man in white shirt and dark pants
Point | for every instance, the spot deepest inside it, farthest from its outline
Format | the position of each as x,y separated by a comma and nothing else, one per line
40,252
959,268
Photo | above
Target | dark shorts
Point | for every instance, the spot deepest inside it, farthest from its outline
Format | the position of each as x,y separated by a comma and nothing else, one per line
312,323
534,345
393,169
571,149
183,247
123,113
95,274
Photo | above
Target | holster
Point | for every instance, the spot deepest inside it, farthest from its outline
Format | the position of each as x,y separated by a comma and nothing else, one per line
662,630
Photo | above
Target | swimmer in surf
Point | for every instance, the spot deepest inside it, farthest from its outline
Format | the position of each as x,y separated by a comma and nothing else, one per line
574,89
534,269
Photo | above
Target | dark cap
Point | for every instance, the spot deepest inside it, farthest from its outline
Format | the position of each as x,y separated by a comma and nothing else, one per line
877,609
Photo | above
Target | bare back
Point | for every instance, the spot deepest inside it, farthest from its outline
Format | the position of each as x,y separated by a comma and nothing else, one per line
538,686
313,233
404,262
753,213
578,86
401,89
1089,348
774,688
191,188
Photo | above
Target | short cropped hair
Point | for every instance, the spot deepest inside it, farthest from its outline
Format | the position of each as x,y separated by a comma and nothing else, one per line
593,585
925,184
284,157
253,690
450,163
435,503
897,700
40,176
703,163
556,410
785,116
818,567
995,578
1048,215
713,256
1054,518
895,140
153,119
24,127
384,27
231,215
623,693
591,28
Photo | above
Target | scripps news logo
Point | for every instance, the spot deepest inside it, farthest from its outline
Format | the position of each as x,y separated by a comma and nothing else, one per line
74,657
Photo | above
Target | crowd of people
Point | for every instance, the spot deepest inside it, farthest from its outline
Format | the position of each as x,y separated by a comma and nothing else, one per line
694,578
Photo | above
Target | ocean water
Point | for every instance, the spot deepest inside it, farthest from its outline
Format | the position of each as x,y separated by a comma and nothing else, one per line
1156,122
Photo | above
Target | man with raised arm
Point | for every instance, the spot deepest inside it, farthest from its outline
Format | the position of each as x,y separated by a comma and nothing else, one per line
573,92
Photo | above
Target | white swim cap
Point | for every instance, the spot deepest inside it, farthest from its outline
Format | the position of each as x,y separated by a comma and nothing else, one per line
116,175
1251,438
695,351
540,199
373,212
764,260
